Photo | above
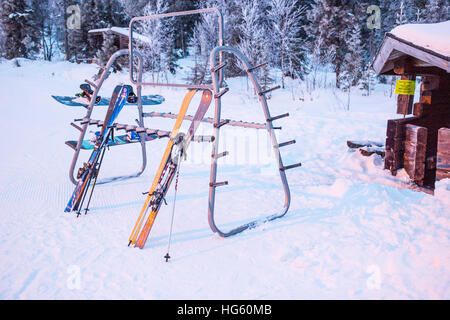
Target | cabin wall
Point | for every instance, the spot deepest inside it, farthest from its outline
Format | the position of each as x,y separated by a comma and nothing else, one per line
405,141
443,154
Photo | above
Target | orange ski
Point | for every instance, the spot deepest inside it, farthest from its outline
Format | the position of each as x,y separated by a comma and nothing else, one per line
165,172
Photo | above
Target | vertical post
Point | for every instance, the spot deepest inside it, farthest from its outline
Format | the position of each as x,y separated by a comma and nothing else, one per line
216,78
404,102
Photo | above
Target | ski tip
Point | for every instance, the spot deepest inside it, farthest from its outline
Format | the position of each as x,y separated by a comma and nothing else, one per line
129,243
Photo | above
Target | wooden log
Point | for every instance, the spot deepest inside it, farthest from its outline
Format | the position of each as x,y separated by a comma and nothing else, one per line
444,140
415,152
435,97
405,102
442,174
395,136
402,67
423,109
353,144
443,154
430,163
396,144
369,150
430,83
393,161
435,83
395,128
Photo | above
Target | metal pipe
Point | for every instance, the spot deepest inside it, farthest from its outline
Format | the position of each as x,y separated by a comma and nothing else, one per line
212,192
167,15
90,108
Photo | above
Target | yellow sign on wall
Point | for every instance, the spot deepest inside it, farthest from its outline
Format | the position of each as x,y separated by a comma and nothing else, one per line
405,87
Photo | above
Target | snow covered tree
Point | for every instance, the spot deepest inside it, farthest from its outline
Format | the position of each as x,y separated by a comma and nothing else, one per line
253,42
17,29
204,39
330,21
43,21
157,49
107,50
232,16
113,13
285,36
2,41
437,11
419,15
350,72
92,17
368,80
401,14
184,25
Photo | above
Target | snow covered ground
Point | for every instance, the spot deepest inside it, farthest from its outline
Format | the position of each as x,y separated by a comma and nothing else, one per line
349,232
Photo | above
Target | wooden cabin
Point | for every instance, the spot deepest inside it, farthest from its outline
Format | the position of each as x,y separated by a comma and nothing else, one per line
120,35
420,140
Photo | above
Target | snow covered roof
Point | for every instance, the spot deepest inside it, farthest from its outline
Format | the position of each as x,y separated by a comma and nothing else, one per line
120,31
433,36
428,44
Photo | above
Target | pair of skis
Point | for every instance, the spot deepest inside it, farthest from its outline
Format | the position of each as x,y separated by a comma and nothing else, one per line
168,168
90,169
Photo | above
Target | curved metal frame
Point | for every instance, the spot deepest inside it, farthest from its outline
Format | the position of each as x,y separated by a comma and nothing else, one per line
217,79
212,186
167,15
90,108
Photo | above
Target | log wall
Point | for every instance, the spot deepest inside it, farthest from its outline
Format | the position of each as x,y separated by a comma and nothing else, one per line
407,147
443,154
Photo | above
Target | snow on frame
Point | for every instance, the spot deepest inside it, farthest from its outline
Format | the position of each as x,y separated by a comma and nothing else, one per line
433,36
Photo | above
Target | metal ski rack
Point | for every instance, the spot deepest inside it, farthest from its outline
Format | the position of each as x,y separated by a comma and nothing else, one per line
218,123
232,123
135,20
217,64
87,118
127,127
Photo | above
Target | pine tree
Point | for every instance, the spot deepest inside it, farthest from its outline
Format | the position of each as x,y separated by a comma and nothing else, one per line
15,21
184,25
368,80
437,11
114,13
401,14
286,47
2,40
204,39
107,50
353,59
92,13
253,41
44,19
350,73
158,50
330,21
232,16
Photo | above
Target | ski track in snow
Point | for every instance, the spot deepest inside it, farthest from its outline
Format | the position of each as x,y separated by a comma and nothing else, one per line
345,236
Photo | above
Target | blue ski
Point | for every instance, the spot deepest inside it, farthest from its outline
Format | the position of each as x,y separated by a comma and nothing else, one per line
90,168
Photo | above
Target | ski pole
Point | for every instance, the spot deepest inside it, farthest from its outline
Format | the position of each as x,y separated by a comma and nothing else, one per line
83,194
167,256
102,150
95,180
